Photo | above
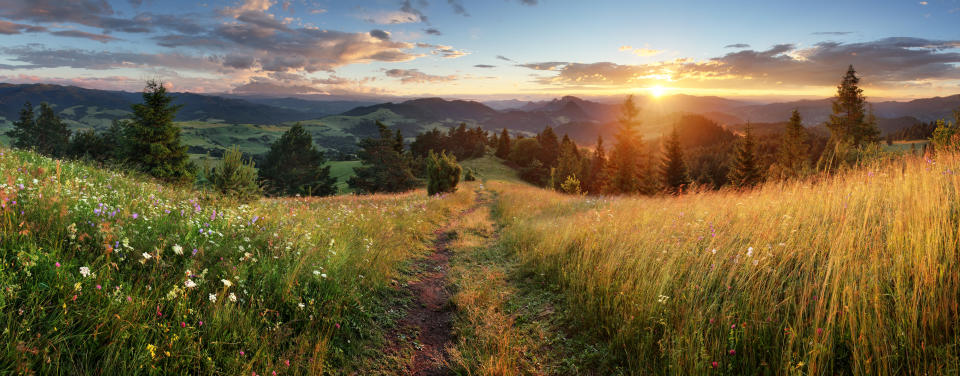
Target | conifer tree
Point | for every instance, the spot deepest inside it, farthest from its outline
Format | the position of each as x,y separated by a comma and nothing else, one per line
549,147
294,165
384,169
673,171
443,173
53,136
503,145
849,122
568,165
626,158
24,132
744,169
794,151
598,179
235,176
154,141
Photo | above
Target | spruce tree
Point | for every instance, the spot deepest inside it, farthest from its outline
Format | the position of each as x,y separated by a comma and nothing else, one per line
294,165
673,171
568,165
549,147
235,176
744,169
503,145
383,169
53,136
849,123
154,141
24,132
794,151
626,158
598,174
443,173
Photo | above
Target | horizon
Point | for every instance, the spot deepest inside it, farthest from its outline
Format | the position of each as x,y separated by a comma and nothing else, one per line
396,50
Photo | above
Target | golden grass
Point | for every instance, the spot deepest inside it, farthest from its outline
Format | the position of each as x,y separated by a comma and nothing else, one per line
856,273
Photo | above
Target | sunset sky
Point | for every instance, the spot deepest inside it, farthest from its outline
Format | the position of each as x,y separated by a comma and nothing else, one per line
488,49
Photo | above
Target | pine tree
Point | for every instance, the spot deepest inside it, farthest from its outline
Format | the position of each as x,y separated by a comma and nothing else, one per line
673,171
24,132
794,151
154,142
598,178
744,171
549,147
295,166
849,122
235,176
503,145
568,165
443,173
626,158
53,136
384,169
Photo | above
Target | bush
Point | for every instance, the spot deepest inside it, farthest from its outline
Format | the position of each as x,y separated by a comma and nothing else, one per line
470,175
443,173
235,176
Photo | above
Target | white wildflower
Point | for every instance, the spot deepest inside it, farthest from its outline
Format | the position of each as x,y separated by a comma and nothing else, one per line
233,298
301,305
190,284
147,256
750,252
212,297
84,271
177,249
226,282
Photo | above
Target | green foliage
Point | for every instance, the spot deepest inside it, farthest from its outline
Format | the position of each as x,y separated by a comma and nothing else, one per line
849,121
549,147
462,142
569,164
598,176
295,166
793,155
503,144
46,133
384,168
570,185
626,160
90,145
443,173
946,136
673,170
469,174
154,142
744,170
235,176
525,152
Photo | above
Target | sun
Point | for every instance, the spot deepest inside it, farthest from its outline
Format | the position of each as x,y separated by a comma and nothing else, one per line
657,91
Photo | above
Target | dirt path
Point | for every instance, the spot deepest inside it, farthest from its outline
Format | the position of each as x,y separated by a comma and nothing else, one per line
428,323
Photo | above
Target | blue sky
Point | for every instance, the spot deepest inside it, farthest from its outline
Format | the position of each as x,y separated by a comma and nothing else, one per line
485,49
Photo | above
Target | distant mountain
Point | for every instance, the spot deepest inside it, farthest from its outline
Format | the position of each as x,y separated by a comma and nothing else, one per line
431,110
306,105
818,111
509,104
98,107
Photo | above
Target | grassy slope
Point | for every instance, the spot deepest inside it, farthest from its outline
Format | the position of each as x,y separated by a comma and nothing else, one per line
342,171
856,273
305,278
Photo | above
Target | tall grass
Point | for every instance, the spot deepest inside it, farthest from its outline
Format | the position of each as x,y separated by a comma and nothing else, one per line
856,273
103,273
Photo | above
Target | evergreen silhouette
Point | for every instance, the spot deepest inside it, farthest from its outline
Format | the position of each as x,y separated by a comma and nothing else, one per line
626,157
598,176
24,132
53,136
549,147
794,151
384,169
443,173
503,145
154,142
673,171
295,166
744,170
849,122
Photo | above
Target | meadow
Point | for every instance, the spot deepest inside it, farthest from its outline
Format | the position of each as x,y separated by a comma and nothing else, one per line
109,273
849,274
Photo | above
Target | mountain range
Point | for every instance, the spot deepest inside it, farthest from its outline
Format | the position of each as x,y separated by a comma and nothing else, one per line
216,121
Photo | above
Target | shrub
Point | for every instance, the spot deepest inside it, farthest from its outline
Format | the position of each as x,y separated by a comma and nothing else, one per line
443,173
470,175
235,176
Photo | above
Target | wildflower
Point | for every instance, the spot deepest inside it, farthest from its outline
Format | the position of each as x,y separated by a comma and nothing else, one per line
287,362
201,323
98,287
135,215
732,352
213,298
146,256
662,299
750,252
152,349
233,298
337,325
226,282
84,271
189,284
714,364
301,305
57,264
195,251
177,250
819,331
242,353
183,324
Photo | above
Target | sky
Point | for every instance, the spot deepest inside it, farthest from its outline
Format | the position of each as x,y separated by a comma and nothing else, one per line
490,49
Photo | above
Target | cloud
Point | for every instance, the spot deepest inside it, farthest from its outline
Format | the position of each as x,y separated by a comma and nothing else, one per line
380,34
10,28
484,66
737,45
504,58
443,51
392,17
458,8
36,56
626,48
432,31
886,62
646,52
528,2
832,33
407,7
408,76
82,34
